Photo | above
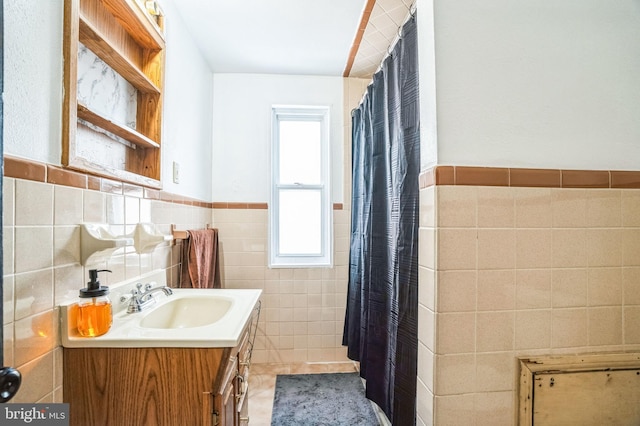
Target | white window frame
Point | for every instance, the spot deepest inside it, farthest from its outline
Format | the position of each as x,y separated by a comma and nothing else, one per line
325,258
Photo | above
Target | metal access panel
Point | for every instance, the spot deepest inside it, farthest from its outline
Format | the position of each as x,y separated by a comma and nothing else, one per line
602,397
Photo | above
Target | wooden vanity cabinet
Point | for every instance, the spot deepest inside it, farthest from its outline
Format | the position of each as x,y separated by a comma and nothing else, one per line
232,403
225,401
157,386
242,380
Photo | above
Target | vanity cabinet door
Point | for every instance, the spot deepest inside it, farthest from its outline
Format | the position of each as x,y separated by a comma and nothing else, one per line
226,407
232,403
226,398
140,386
242,381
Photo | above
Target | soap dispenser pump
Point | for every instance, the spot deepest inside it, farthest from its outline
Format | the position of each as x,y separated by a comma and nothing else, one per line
94,307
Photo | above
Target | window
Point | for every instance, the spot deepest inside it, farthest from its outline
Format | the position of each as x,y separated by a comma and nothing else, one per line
300,210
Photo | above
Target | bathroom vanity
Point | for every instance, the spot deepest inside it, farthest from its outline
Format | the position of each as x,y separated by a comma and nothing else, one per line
184,361
157,386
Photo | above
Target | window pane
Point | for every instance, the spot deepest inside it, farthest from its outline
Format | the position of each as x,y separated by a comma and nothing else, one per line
300,222
300,155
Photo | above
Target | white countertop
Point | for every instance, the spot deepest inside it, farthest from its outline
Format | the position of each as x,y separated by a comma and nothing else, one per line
126,331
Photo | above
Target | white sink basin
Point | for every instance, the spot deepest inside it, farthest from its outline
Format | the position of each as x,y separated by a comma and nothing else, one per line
197,318
188,312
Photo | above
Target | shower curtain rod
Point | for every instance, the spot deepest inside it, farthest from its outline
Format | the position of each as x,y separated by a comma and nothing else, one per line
412,12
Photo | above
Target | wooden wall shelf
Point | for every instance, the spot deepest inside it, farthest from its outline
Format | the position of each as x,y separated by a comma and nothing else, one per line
86,166
119,130
137,23
98,44
130,41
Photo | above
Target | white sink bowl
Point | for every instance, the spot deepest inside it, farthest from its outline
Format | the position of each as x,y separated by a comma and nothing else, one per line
188,312
189,318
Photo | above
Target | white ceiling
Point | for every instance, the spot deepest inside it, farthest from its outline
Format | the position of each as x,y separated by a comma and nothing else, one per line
380,34
300,37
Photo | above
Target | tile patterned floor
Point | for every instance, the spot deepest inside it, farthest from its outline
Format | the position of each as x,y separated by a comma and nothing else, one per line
262,383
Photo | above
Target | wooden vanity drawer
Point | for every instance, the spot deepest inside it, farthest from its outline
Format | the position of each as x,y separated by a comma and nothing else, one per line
229,373
244,354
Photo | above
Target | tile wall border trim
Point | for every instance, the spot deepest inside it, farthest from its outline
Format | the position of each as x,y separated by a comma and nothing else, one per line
21,168
524,177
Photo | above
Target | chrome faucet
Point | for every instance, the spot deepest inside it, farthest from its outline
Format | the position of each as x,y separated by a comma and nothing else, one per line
140,299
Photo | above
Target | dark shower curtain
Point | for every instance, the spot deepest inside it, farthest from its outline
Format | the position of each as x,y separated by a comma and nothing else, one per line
381,321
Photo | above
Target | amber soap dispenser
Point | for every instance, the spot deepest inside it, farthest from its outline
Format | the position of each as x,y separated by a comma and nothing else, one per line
94,316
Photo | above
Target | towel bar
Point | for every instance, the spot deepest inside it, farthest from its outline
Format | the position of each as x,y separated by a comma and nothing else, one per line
181,234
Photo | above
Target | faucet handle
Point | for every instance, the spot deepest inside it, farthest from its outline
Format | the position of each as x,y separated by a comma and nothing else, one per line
135,293
148,286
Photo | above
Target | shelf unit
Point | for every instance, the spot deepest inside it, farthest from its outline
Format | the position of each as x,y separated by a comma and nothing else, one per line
131,41
125,132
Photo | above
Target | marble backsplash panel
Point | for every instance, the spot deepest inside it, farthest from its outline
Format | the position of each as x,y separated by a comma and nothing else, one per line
103,90
97,146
